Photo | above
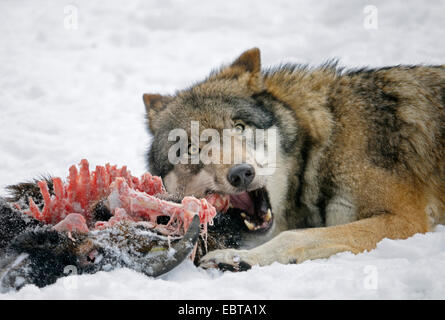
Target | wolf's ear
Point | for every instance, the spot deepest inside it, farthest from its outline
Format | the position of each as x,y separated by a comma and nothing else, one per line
249,61
154,103
247,69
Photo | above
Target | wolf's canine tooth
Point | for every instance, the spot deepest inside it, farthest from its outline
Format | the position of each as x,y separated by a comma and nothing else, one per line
243,214
268,215
249,225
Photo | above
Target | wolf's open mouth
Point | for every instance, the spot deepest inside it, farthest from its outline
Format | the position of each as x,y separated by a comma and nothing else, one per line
254,207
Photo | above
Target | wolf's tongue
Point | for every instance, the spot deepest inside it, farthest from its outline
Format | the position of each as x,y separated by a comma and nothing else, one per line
244,202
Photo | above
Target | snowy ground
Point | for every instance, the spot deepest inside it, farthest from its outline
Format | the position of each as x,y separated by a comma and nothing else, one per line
68,94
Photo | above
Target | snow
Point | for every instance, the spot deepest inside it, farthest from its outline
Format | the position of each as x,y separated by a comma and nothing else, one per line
397,269
68,94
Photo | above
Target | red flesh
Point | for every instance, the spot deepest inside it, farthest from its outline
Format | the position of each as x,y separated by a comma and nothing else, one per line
129,198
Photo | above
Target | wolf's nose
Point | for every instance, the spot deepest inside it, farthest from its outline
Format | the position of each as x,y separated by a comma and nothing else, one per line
241,175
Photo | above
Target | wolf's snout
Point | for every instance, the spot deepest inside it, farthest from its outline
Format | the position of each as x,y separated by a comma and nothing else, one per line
241,175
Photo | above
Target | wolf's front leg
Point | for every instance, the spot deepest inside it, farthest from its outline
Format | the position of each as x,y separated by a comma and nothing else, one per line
287,247
298,246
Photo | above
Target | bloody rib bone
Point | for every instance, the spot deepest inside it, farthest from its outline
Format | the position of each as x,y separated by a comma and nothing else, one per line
128,198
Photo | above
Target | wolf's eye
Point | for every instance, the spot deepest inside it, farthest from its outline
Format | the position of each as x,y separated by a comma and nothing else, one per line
193,149
239,127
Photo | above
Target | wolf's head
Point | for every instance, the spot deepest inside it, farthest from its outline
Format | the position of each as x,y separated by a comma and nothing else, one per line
229,135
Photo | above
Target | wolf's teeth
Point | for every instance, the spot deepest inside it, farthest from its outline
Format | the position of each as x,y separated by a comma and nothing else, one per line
268,215
243,215
249,225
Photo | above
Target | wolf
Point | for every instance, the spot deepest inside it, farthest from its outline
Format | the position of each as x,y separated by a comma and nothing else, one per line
360,155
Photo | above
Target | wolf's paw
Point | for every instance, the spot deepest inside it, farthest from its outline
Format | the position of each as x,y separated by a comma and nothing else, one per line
228,260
